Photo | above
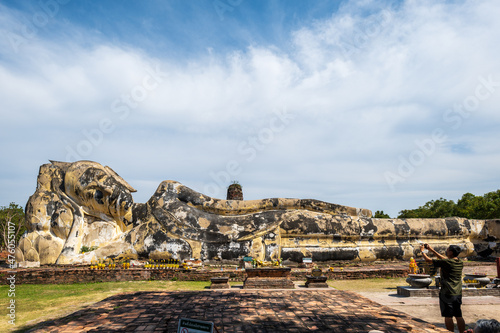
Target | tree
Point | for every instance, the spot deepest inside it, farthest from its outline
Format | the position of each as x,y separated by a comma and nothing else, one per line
410,213
440,208
469,206
479,207
465,205
379,214
12,224
432,209
492,200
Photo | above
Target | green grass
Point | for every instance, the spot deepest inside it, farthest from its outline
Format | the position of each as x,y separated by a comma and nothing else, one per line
37,303
368,285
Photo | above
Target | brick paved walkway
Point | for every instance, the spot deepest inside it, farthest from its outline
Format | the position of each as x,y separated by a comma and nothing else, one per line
236,310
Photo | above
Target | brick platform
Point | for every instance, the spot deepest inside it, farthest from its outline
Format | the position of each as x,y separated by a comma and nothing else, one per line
70,274
434,292
297,310
268,278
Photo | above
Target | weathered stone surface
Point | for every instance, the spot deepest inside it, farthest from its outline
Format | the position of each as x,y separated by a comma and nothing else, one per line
87,204
158,255
76,204
29,264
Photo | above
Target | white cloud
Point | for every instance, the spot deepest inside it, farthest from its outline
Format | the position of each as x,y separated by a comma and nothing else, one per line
362,90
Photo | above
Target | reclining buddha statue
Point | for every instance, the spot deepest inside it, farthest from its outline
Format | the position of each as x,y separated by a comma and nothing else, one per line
83,211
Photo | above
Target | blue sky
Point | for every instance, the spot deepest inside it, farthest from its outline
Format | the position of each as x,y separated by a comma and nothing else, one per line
375,104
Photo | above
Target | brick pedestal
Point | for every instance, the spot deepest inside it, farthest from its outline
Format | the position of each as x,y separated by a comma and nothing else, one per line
316,282
268,278
220,282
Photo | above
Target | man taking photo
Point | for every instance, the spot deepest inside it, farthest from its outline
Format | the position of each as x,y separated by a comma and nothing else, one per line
450,295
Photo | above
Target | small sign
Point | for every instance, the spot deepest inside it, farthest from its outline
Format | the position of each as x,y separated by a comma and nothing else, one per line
195,326
247,258
307,260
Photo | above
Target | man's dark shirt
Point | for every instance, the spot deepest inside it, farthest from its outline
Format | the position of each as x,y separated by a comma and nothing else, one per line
451,275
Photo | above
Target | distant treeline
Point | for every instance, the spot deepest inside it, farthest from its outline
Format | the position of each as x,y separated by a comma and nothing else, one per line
469,206
12,225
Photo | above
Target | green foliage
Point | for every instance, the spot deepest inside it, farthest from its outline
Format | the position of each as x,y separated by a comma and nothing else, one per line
469,206
479,207
235,183
11,223
88,249
379,214
433,209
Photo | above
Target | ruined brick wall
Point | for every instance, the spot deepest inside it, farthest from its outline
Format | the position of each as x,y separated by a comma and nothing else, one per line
85,275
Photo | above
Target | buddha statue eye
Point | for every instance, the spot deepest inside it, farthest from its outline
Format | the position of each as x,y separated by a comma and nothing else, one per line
98,197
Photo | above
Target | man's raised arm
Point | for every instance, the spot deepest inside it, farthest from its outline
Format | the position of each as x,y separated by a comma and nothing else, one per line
428,247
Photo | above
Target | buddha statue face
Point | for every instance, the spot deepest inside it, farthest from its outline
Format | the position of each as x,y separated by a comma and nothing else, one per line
100,191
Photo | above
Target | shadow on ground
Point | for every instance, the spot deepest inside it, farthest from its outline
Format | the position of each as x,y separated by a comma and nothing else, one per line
234,310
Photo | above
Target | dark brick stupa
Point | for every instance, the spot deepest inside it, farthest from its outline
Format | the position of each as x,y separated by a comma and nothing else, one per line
234,192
